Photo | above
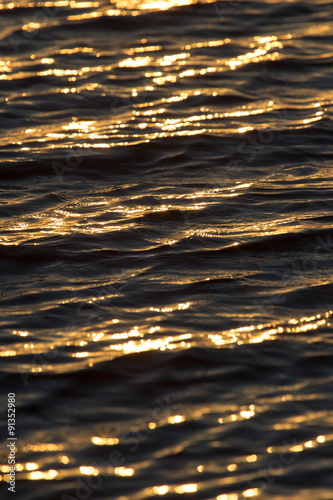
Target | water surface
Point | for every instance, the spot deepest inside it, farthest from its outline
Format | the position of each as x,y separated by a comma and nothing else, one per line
166,248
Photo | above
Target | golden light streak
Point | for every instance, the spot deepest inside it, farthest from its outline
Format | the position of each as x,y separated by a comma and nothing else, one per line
228,496
37,475
161,490
186,488
252,492
124,471
104,441
31,466
89,471
176,419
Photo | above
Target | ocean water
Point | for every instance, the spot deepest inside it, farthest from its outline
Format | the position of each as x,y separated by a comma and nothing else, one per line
166,248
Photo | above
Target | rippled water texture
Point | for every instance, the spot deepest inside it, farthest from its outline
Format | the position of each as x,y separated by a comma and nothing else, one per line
166,248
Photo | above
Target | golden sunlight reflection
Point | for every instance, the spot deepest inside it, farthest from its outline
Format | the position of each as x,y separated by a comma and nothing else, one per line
180,307
241,415
176,419
89,471
135,62
31,466
150,345
161,490
149,122
228,496
86,15
160,71
305,445
259,333
43,447
186,488
111,109
20,333
37,475
104,441
252,492
249,493
152,337
30,469
154,4
124,471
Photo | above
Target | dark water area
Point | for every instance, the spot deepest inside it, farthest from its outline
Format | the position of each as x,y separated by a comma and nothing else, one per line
166,249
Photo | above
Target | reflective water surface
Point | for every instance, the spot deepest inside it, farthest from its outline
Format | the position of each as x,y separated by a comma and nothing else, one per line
166,248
